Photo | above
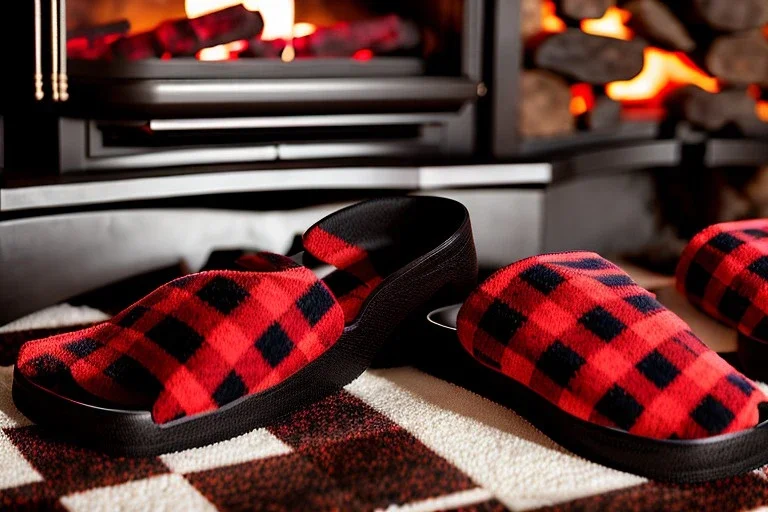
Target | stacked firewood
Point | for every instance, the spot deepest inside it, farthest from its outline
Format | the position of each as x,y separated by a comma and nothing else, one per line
726,38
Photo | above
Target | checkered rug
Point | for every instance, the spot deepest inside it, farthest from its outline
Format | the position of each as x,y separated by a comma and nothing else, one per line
394,439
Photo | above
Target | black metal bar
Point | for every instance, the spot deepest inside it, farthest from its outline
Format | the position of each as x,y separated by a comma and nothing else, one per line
505,88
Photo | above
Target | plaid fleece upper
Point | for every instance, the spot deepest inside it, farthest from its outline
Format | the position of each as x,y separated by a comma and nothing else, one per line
577,330
724,271
198,342
207,339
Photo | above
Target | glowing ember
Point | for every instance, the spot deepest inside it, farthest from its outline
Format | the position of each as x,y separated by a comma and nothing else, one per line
612,24
303,29
661,69
363,55
220,52
762,110
582,98
549,21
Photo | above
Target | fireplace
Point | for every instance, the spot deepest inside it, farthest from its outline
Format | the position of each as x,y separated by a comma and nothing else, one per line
602,72
158,84
114,88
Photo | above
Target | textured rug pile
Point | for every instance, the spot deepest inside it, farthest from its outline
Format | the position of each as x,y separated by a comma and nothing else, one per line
394,439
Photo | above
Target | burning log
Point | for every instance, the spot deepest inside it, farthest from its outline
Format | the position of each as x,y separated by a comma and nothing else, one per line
583,9
381,36
94,33
185,37
530,18
91,43
545,106
604,115
655,21
591,59
732,15
713,112
740,59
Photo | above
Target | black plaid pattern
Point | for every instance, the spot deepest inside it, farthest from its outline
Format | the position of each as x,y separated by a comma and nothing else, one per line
315,303
620,407
131,374
560,363
696,280
756,233
712,415
733,305
759,267
586,264
725,242
724,272
223,294
644,303
543,278
501,321
616,280
83,347
132,316
658,369
197,324
598,338
274,345
602,323
741,383
176,337
231,388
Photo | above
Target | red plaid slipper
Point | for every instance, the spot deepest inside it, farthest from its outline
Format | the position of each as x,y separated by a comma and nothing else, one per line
215,354
724,272
609,372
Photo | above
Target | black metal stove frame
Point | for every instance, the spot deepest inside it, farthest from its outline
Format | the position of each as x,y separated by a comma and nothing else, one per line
308,109
141,117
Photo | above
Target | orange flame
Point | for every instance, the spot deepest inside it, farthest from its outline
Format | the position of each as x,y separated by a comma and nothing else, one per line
762,110
279,23
550,23
582,99
660,70
612,24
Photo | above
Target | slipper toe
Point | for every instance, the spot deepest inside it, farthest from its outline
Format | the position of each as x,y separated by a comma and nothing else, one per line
195,344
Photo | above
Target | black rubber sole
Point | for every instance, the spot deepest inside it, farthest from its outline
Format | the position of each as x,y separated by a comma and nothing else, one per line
678,461
133,433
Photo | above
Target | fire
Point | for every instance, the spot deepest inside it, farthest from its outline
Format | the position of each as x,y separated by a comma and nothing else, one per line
582,99
762,110
612,24
279,23
549,21
661,69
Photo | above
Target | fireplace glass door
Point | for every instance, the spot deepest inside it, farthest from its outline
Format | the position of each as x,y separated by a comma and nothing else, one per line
263,38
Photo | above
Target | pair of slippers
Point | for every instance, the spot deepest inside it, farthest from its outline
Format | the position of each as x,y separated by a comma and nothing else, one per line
602,367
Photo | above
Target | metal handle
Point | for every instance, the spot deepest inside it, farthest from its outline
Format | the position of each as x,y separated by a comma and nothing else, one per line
39,94
55,50
63,84
59,51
